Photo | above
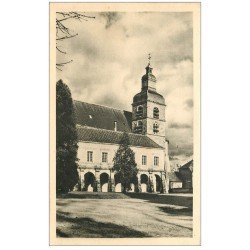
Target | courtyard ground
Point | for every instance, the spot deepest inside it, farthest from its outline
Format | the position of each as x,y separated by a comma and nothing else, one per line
117,215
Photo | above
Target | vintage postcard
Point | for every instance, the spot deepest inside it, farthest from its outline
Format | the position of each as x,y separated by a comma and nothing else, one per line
125,123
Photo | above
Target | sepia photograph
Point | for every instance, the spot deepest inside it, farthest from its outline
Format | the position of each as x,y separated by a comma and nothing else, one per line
125,124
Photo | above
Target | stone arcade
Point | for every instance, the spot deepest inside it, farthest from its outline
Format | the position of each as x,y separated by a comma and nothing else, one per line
100,130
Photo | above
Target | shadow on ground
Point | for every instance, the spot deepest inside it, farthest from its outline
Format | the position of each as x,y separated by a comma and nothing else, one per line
177,211
93,229
164,199
177,200
92,195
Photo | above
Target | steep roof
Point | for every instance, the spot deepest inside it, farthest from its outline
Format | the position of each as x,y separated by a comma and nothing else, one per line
90,134
185,174
188,165
173,176
102,117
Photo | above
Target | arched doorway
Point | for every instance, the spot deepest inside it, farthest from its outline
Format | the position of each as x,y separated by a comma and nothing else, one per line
134,185
118,186
132,188
158,184
104,179
144,183
89,182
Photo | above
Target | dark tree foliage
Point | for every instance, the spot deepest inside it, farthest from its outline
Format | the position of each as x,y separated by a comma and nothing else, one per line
66,140
124,163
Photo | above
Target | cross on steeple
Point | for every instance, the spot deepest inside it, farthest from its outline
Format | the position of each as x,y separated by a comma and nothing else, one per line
148,68
149,57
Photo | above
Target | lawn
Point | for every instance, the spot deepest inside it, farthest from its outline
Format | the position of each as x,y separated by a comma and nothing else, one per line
116,215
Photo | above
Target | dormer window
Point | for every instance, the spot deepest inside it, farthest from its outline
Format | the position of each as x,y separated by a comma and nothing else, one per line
155,128
139,112
156,113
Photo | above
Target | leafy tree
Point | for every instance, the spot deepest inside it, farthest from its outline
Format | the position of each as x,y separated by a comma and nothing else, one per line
124,163
66,140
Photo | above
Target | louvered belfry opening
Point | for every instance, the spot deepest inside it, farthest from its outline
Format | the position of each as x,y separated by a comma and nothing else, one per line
155,128
156,113
138,128
139,112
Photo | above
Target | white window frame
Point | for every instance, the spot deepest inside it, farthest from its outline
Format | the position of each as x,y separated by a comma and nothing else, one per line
144,160
156,160
104,157
89,156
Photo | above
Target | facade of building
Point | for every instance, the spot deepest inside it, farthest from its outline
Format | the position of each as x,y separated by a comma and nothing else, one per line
100,130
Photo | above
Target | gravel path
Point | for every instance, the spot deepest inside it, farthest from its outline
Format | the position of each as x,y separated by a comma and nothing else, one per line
126,217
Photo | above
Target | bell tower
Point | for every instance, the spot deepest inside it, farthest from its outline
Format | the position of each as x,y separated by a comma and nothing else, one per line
148,109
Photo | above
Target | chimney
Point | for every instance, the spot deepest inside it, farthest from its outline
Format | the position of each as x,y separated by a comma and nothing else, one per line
115,123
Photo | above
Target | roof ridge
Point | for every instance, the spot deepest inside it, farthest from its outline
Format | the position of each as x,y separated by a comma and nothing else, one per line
113,131
120,132
88,127
187,162
102,106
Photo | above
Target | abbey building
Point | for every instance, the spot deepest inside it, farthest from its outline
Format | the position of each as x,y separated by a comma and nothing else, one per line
100,130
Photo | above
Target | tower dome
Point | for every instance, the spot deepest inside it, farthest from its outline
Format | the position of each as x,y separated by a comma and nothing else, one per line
149,95
148,80
148,88
148,110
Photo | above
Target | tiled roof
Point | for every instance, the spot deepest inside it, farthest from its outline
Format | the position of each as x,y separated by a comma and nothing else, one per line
188,165
185,174
89,134
98,116
173,177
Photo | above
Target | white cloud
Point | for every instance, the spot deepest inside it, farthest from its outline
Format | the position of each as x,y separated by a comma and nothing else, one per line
110,54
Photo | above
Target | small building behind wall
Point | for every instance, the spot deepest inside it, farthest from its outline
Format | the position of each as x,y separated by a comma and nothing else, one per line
175,183
186,174
181,181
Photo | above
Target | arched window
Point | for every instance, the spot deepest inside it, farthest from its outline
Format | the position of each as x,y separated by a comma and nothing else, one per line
156,113
155,128
138,128
139,111
139,123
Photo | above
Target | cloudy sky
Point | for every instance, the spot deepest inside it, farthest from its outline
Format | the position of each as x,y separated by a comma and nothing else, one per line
109,58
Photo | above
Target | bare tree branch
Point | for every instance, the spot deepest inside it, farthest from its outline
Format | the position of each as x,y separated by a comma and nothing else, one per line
65,37
63,63
63,52
73,15
58,68
63,32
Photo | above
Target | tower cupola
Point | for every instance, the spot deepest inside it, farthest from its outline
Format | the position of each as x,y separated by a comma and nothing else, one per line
148,109
148,80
